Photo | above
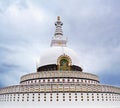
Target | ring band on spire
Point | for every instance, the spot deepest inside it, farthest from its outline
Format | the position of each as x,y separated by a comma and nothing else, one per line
58,18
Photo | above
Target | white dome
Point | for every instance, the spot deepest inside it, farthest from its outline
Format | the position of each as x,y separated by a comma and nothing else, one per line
51,55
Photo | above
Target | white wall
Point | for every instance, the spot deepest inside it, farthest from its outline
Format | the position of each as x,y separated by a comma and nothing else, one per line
84,100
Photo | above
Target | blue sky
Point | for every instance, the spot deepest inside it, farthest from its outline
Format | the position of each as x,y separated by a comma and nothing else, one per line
91,26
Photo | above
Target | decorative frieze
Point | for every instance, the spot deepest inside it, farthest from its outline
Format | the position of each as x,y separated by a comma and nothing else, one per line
61,96
58,74
60,88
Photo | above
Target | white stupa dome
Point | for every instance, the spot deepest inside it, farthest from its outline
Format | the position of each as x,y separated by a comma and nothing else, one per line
58,49
50,56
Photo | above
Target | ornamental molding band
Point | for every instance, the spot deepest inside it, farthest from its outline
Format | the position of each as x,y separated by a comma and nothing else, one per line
59,82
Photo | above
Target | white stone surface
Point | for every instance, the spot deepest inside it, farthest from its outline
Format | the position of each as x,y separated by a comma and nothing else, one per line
60,103
50,56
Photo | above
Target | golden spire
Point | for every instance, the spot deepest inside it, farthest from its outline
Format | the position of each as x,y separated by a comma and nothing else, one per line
58,18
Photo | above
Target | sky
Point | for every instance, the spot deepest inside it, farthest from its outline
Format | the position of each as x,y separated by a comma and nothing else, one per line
91,26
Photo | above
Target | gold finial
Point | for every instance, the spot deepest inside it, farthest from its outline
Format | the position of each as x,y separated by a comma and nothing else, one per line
58,18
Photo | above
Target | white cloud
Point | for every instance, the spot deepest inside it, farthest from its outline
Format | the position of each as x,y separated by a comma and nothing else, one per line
20,32
26,28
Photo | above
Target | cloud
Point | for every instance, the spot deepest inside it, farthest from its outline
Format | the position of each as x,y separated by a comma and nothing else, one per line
26,28
20,27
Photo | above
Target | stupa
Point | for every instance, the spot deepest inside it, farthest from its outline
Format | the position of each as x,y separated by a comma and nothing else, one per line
59,82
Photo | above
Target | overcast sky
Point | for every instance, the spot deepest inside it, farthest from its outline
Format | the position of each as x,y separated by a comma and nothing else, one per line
91,26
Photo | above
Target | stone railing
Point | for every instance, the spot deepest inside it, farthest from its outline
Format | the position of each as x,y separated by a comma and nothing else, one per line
60,88
49,74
